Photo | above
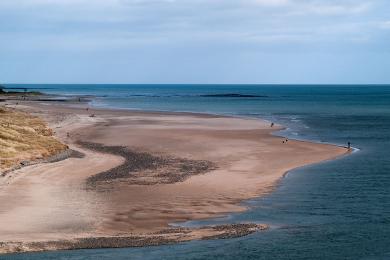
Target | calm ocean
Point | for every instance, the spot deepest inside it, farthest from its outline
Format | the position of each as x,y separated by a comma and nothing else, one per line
333,210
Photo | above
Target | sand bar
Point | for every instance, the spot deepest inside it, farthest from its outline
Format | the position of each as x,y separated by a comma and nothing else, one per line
179,167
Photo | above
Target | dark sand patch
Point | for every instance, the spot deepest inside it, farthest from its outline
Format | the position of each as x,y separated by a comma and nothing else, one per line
143,168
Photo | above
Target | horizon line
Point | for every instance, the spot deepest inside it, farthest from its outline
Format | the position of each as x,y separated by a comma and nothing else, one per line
210,84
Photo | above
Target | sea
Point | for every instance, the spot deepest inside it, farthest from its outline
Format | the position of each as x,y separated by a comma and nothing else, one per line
337,209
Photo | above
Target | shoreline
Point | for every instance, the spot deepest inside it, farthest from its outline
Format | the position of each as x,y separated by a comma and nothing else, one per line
210,114
66,154
88,100
210,125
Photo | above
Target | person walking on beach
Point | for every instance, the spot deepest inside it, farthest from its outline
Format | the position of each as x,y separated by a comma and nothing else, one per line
272,124
349,145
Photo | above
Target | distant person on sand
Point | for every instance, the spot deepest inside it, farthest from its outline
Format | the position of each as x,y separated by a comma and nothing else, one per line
272,124
349,145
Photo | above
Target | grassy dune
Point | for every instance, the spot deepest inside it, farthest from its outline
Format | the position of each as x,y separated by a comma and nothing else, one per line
24,137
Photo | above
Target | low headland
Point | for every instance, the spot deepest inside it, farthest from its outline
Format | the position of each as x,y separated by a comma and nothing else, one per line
15,91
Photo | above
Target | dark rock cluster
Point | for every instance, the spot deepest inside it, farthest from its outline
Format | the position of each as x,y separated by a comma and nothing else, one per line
163,237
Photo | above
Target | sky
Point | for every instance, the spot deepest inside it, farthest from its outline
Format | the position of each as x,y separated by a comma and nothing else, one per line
195,41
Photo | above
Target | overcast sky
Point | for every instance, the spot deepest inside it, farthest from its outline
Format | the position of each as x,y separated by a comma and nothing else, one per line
195,41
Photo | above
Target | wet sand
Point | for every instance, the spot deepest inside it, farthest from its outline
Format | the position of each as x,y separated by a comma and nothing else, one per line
142,171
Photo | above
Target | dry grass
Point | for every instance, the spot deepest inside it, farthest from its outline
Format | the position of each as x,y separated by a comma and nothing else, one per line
24,137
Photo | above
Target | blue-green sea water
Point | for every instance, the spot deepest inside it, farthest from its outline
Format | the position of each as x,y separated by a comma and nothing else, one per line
333,210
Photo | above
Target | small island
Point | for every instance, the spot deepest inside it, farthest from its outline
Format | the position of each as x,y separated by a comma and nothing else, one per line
234,95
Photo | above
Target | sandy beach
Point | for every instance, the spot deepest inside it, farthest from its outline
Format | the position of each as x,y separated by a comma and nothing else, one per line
140,172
